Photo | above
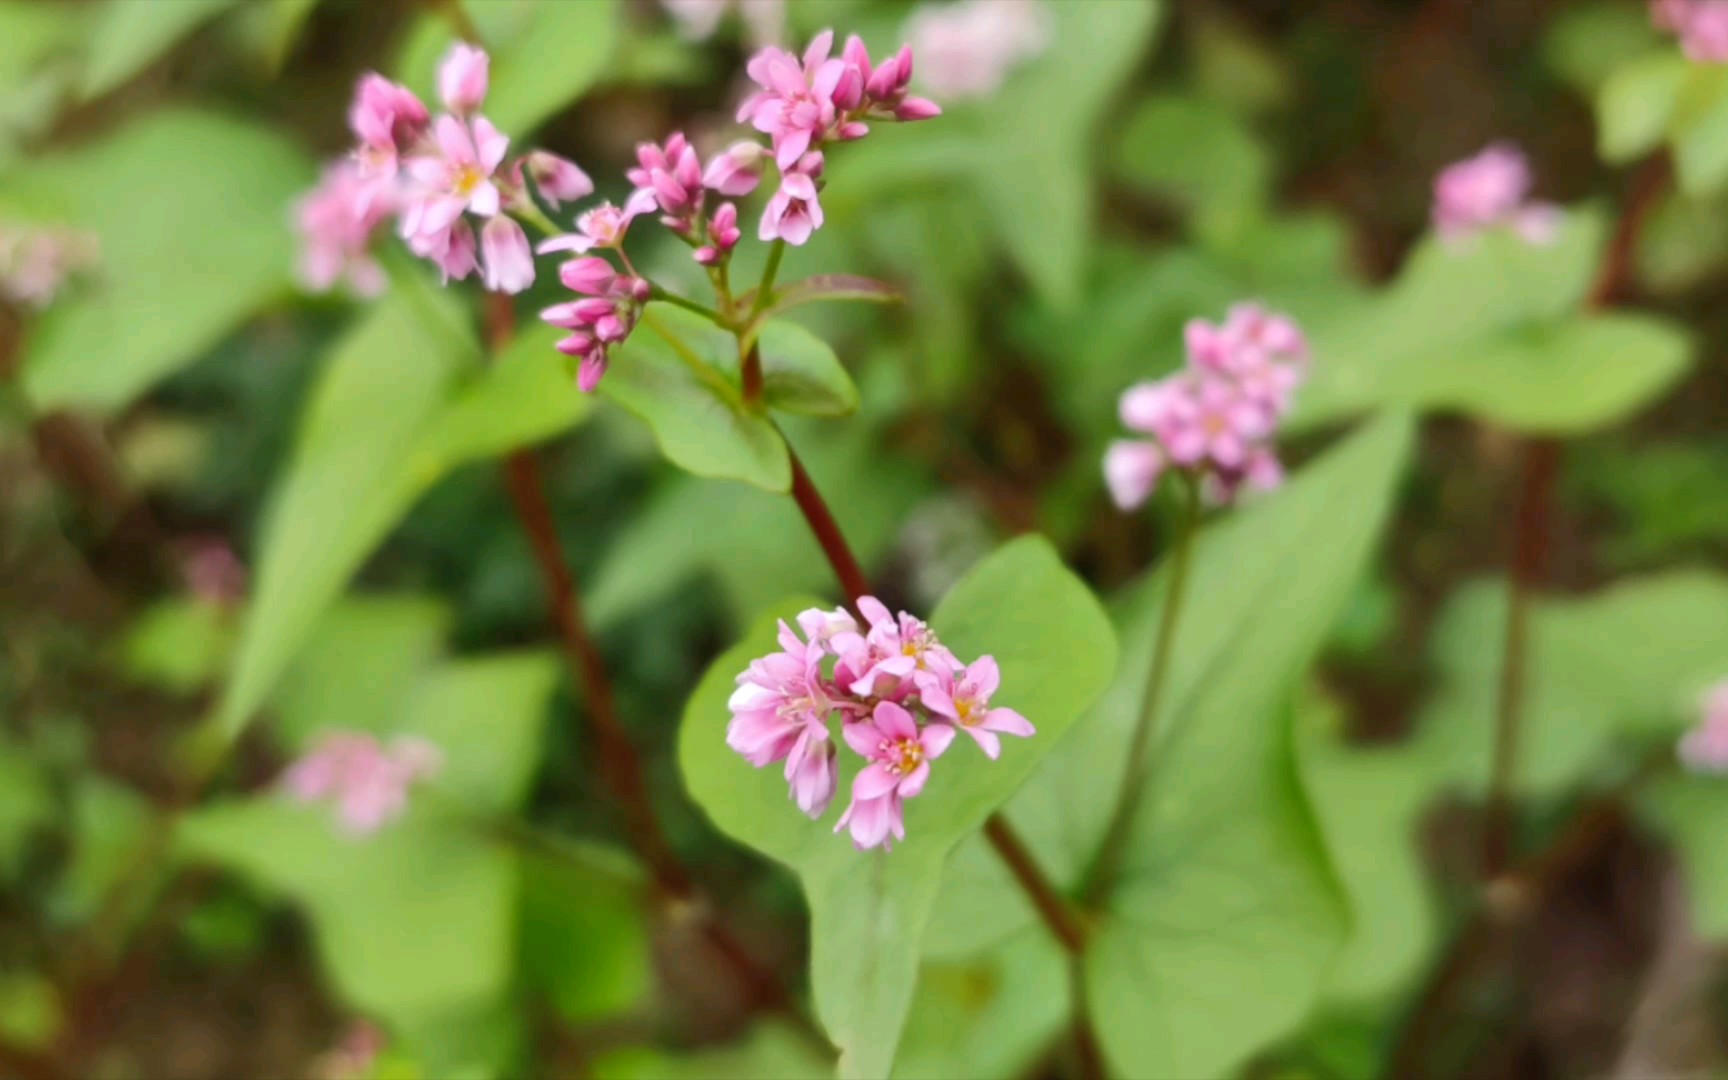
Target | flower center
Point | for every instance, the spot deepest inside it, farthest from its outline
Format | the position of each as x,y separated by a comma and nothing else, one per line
467,179
968,710
902,756
1215,424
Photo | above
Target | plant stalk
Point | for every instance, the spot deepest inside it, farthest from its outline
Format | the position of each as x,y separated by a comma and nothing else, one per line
1108,864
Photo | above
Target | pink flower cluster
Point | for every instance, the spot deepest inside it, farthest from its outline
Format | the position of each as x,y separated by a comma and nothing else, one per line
970,48
1701,25
1216,417
439,177
36,261
901,697
367,781
1704,749
764,20
1491,190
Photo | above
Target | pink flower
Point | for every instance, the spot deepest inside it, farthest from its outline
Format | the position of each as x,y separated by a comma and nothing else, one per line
214,573
592,276
368,782
1702,26
810,771
899,755
970,48
698,19
736,171
1487,191
1704,749
881,662
387,119
795,106
672,174
794,213
336,221
723,235
963,698
456,177
605,226
559,180
463,77
509,259
452,250
35,262
1131,471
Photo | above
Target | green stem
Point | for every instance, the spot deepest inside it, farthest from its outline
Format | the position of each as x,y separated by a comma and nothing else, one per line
690,305
769,273
1108,864
533,215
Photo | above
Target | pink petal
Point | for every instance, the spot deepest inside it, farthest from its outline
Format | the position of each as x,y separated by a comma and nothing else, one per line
985,676
1008,722
874,781
936,739
894,722
987,742
863,737
915,781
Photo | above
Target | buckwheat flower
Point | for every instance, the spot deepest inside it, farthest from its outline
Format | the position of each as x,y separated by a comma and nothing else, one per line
456,176
1261,471
509,259
810,775
672,174
1212,421
37,261
451,249
1131,471
1487,191
723,236
605,226
885,87
737,170
1702,26
213,573
764,20
367,781
387,119
1704,749
970,48
559,180
795,106
900,755
881,662
463,78
336,221
794,213
962,697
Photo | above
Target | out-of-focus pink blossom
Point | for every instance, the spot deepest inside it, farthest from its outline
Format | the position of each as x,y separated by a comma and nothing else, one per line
737,170
899,754
214,573
795,104
1702,26
456,177
1213,419
36,261
509,260
336,222
1704,749
764,20
794,213
388,120
968,49
367,781
559,180
452,250
605,226
463,78
352,1058
1491,190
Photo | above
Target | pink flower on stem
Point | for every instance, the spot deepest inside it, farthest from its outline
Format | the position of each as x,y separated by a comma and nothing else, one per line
962,697
970,48
387,119
794,213
559,180
1491,190
780,711
336,221
672,174
899,754
1132,468
881,662
1704,749
457,177
1702,26
508,257
723,236
605,226
737,170
698,19
463,78
367,781
452,250
795,106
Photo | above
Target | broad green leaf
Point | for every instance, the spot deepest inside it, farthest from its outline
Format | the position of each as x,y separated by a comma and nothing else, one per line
108,824
1692,811
1700,132
187,210
1588,42
988,1015
1636,104
770,1052
544,55
130,34
868,910
359,666
1489,327
287,19
833,287
695,409
1198,155
584,940
179,645
1369,802
1035,179
394,413
1621,666
489,713
801,374
1228,915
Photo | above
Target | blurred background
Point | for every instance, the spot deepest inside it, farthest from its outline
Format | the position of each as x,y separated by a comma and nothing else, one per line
174,396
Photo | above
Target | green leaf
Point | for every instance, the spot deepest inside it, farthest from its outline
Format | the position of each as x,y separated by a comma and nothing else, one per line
833,287
1035,179
1228,915
1636,104
544,55
1621,666
1197,154
392,415
187,210
801,374
584,942
770,1052
130,34
287,19
1588,42
991,1014
179,645
679,374
1701,132
868,910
